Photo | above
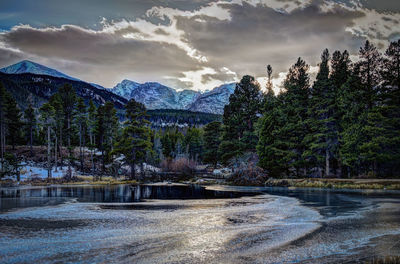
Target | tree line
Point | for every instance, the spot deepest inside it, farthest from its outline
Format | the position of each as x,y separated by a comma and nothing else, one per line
344,124
66,124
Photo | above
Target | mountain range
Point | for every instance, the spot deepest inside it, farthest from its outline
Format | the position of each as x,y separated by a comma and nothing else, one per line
27,79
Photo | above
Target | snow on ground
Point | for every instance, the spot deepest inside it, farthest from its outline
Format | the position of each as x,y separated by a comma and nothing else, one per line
32,172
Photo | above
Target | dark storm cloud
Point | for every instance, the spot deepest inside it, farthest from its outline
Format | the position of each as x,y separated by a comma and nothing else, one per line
8,56
257,36
86,13
109,53
186,44
382,5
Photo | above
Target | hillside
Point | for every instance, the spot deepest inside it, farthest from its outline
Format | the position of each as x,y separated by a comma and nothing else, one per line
161,118
27,87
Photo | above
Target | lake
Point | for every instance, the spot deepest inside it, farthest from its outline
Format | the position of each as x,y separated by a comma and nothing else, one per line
193,224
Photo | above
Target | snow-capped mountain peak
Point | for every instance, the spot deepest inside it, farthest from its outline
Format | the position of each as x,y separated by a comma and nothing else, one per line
125,88
157,96
27,66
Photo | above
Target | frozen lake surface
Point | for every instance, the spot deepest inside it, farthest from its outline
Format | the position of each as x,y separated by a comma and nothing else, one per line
191,224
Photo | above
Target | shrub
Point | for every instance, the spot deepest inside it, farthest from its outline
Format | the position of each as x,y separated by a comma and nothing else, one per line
248,174
183,166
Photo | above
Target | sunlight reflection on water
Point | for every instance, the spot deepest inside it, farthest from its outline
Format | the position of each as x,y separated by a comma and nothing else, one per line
263,228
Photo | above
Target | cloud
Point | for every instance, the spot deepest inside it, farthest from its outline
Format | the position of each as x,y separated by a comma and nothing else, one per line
190,44
99,56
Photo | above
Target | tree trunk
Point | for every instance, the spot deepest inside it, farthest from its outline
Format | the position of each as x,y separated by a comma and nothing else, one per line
69,133
91,151
69,147
48,153
61,145
133,171
327,157
1,144
142,170
55,154
83,152
31,142
80,146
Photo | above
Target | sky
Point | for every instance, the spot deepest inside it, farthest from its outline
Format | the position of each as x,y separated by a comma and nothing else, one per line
188,44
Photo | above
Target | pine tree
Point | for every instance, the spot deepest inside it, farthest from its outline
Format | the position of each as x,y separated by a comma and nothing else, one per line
30,123
106,128
100,133
391,72
91,123
13,120
240,117
322,139
340,69
135,140
59,118
352,109
369,69
3,124
111,123
380,150
47,113
372,134
340,73
158,147
194,143
392,100
81,123
267,124
290,126
68,101
212,139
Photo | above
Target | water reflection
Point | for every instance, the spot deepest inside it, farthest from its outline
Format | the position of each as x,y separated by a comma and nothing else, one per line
17,198
177,228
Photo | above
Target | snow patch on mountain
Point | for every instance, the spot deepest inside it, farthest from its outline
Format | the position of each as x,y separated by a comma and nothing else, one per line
27,66
125,88
157,96
214,100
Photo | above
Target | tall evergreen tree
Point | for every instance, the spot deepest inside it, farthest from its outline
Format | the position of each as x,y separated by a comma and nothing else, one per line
13,120
59,118
380,151
106,131
3,123
91,126
240,116
369,69
135,140
194,143
81,122
212,139
351,96
47,118
30,124
391,71
340,73
286,129
267,125
68,101
322,138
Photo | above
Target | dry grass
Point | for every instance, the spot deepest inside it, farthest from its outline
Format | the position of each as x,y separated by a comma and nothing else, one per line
248,174
386,260
182,166
375,184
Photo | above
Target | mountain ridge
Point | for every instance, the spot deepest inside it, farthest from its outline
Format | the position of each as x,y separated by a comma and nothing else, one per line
153,95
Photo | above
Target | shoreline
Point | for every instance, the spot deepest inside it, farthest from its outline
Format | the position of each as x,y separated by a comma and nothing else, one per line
385,185
336,183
